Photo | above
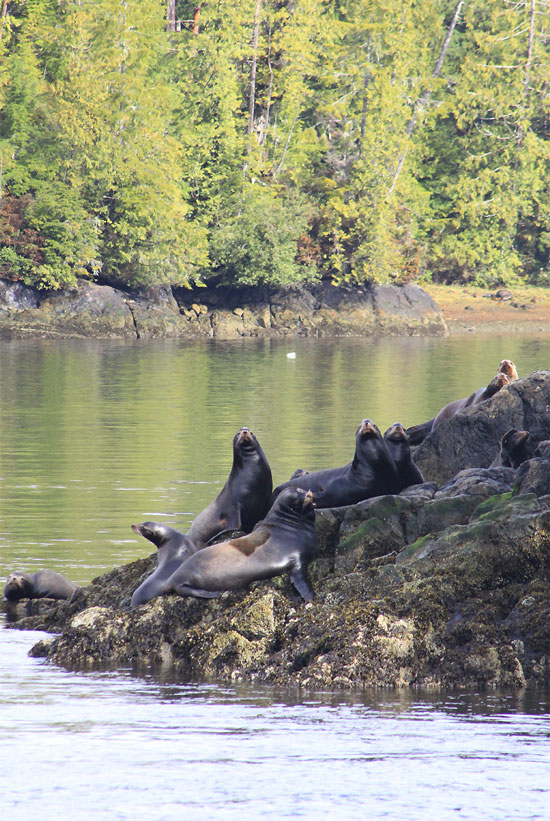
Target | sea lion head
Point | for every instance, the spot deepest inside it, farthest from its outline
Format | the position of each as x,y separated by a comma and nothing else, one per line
296,500
508,367
367,429
515,438
245,440
154,532
16,586
396,433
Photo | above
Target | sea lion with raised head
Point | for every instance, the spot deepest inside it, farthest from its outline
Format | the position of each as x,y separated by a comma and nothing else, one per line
44,584
243,500
372,472
400,449
513,449
508,367
458,405
173,548
283,542
417,433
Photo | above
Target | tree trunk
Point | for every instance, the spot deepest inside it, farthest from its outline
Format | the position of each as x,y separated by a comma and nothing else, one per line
255,38
171,16
422,101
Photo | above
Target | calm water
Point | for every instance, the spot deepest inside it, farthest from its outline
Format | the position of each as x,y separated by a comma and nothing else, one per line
95,436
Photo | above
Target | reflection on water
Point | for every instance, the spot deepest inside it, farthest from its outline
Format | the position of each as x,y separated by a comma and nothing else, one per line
97,435
107,745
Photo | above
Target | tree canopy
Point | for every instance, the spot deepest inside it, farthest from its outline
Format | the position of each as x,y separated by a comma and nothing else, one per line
274,141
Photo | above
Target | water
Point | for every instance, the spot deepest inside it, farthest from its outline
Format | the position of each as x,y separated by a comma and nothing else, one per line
97,435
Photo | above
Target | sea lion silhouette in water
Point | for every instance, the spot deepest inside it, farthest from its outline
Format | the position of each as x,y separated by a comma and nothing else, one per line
400,449
243,500
452,408
173,548
372,472
513,449
417,433
284,542
44,584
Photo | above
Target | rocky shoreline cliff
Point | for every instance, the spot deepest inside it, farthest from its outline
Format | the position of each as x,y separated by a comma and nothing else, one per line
103,312
446,584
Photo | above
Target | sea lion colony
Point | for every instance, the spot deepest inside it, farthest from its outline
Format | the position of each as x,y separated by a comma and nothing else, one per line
275,528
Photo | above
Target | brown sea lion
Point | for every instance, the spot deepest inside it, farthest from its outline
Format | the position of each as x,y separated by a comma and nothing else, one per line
284,542
243,500
458,405
400,449
372,472
513,449
508,367
44,584
173,548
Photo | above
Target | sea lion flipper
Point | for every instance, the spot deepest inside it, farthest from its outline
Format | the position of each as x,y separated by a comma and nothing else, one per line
301,584
187,590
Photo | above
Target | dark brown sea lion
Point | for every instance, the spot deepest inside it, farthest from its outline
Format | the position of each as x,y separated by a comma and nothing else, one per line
243,500
284,542
372,472
417,433
458,405
400,449
45,584
508,367
173,548
513,449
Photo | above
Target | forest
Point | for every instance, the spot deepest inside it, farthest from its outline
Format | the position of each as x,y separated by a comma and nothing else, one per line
274,142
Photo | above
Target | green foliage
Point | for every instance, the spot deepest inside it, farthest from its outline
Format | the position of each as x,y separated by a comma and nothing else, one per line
323,146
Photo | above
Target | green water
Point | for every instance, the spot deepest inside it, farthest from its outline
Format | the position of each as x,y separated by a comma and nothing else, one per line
97,435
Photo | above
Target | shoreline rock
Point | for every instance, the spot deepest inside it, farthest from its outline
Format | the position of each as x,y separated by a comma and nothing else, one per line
100,311
440,586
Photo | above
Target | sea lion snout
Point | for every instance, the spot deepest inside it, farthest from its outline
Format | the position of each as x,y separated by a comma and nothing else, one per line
367,426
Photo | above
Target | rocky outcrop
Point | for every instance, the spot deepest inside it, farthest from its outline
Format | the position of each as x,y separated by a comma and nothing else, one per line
105,312
472,437
439,586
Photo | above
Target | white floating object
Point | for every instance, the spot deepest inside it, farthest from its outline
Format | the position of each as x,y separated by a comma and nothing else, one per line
291,355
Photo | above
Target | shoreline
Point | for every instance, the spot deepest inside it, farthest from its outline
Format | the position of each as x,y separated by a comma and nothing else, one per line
471,309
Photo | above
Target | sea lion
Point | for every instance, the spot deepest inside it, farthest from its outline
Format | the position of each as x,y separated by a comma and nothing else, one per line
400,449
173,548
508,367
458,405
299,472
372,472
417,433
284,542
513,449
44,584
243,500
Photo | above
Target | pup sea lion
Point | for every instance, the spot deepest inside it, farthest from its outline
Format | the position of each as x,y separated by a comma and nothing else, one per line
458,405
284,542
372,472
45,584
173,548
513,449
400,449
244,499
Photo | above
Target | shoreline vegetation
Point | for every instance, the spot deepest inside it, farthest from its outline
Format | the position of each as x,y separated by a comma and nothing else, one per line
274,144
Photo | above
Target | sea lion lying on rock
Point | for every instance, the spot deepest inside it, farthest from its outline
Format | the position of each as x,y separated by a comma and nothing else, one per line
173,548
417,433
44,584
372,472
284,542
